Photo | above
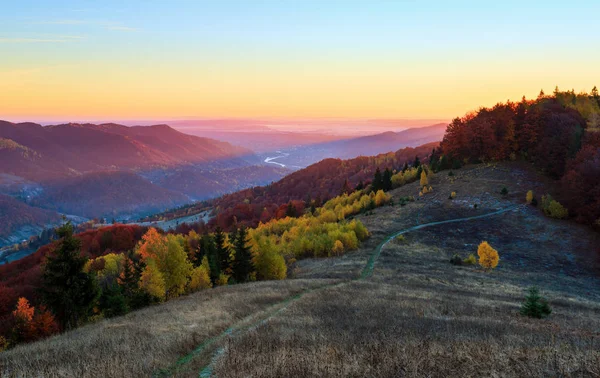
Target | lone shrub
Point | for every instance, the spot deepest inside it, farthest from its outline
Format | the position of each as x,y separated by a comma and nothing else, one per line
452,195
529,197
553,208
450,173
504,191
471,260
535,306
488,256
456,260
400,238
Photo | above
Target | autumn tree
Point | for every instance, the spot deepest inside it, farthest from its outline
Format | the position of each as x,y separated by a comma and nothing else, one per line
423,182
152,282
67,290
529,196
200,277
338,248
242,267
23,316
488,256
270,265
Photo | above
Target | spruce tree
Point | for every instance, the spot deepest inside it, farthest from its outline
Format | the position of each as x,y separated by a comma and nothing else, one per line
417,162
405,167
66,289
208,244
377,183
535,306
346,188
222,251
387,180
242,267
291,210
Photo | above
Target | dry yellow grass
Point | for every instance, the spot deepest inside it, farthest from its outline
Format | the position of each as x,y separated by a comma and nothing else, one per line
417,315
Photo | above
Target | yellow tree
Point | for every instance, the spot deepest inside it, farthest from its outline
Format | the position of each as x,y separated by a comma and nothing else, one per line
269,264
424,180
200,277
338,248
488,256
152,281
529,196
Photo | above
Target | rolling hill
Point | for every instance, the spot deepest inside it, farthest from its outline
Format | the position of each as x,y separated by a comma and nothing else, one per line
68,149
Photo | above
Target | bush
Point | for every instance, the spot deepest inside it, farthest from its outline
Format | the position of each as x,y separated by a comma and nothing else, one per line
504,191
450,173
452,195
529,197
535,306
488,256
471,260
553,208
400,238
534,202
456,260
3,344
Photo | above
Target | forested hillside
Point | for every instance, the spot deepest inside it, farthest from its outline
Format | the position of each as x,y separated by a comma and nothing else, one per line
559,133
309,186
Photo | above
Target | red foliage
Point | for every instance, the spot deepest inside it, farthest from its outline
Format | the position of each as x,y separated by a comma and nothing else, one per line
543,131
318,182
22,278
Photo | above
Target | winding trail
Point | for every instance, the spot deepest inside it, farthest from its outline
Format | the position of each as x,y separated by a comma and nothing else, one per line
255,320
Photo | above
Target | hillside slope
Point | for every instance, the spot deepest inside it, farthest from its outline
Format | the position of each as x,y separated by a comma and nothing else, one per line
68,148
107,194
20,220
383,310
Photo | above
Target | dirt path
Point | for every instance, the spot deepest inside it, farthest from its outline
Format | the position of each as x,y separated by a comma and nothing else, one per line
256,320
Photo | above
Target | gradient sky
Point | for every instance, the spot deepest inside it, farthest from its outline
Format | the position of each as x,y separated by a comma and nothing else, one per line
78,60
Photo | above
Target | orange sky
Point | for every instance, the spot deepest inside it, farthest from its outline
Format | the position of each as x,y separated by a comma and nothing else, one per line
299,60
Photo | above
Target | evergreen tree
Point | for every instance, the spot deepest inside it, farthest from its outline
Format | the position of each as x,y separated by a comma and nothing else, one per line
112,302
346,188
243,257
222,251
535,306
417,162
405,167
377,183
387,180
208,244
360,186
67,290
291,210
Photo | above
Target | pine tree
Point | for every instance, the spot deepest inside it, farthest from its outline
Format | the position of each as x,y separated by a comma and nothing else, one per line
417,162
67,290
405,167
346,189
360,186
377,183
387,180
208,245
291,210
535,306
222,251
243,257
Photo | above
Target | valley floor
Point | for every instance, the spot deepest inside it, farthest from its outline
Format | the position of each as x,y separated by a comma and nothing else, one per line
399,309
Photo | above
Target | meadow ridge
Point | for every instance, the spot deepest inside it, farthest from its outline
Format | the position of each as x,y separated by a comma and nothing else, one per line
415,315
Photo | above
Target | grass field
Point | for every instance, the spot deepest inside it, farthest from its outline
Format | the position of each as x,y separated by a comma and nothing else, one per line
415,315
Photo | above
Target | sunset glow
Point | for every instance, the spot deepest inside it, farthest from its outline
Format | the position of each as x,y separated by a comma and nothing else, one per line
354,59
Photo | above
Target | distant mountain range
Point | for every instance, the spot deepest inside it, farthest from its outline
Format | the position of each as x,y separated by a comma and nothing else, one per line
111,170
115,171
38,152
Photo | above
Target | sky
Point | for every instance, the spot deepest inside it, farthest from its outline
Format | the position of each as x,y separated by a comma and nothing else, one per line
157,59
